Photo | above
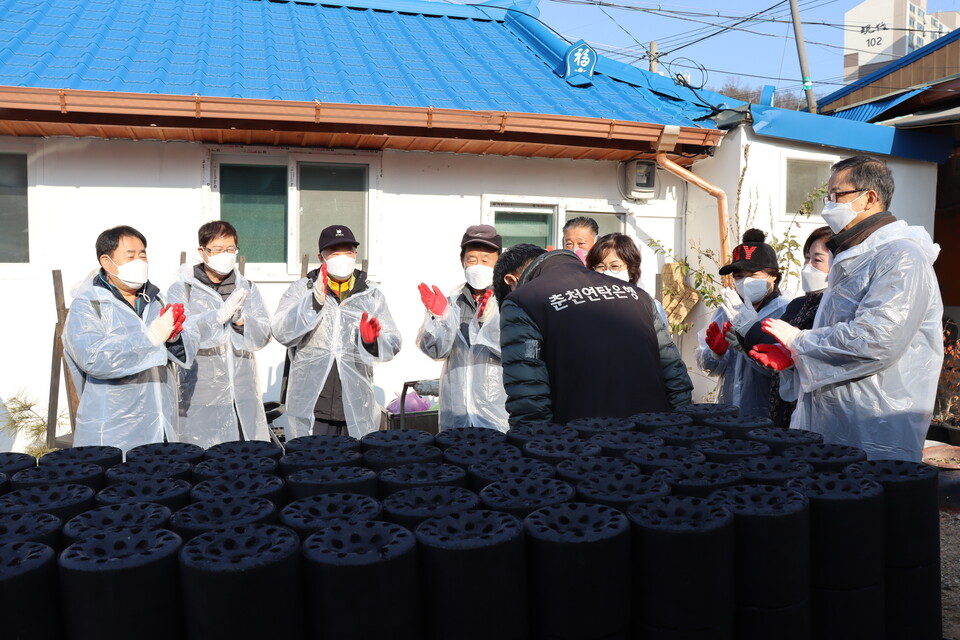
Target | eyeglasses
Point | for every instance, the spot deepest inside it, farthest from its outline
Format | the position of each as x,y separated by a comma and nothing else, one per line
832,197
218,250
614,267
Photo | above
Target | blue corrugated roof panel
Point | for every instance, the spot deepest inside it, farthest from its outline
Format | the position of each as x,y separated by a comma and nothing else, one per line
867,112
844,134
394,52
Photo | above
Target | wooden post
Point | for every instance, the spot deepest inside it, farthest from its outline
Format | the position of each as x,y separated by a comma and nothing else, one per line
183,257
59,364
243,264
53,402
304,265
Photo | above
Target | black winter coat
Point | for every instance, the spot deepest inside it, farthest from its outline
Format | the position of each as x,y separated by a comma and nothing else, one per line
576,344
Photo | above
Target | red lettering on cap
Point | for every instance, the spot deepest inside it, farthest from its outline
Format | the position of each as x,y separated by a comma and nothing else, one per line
749,251
736,253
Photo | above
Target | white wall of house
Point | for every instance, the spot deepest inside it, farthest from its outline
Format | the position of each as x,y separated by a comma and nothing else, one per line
762,203
419,206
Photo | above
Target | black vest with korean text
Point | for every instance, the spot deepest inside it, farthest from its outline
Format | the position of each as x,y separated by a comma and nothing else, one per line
599,341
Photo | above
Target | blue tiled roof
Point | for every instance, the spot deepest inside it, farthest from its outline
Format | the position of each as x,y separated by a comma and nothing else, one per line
395,52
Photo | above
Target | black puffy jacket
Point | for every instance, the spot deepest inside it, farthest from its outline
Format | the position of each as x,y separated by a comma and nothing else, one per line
576,343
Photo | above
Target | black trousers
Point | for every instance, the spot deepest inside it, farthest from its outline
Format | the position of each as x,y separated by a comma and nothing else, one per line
329,427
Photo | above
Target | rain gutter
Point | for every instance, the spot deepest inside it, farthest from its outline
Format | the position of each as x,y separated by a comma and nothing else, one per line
666,144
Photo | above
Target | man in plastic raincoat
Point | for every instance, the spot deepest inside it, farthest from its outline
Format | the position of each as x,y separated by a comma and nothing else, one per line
220,394
120,340
868,369
336,324
463,330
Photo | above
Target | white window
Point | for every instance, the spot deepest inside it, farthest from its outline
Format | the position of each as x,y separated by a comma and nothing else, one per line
532,223
280,203
803,178
331,194
15,239
606,222
253,198
542,223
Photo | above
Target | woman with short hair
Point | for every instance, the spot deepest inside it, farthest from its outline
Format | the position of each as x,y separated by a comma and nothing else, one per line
618,256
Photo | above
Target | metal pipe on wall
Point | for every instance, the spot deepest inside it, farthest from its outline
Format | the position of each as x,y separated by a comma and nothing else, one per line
667,143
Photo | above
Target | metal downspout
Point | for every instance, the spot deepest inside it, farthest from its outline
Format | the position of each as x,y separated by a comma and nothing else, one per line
667,143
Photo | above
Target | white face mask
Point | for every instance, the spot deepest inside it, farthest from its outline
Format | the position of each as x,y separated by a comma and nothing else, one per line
753,290
133,274
222,263
341,266
479,276
619,275
812,279
839,214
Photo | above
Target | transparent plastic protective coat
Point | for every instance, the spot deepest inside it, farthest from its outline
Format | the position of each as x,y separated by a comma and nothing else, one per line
868,369
333,333
128,390
224,372
471,384
742,382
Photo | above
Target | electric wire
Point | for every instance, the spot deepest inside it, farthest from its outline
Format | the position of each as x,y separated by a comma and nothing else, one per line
716,14
618,51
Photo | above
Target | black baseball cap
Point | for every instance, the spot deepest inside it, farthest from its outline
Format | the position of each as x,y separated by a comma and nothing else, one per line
751,256
482,234
336,234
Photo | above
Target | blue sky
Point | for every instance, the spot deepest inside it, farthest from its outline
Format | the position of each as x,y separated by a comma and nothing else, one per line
765,50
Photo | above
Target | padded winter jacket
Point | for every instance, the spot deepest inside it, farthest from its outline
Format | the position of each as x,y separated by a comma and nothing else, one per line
577,344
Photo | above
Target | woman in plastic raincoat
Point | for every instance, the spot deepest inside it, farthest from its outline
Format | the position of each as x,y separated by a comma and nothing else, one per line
463,330
757,275
868,369
334,318
120,343
220,394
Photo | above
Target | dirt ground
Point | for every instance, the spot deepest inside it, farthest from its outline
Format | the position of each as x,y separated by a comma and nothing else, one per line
950,573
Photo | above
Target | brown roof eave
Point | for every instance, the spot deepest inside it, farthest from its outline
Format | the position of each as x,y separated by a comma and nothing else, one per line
200,112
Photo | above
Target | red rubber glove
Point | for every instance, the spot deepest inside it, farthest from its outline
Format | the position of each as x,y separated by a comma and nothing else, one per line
715,340
483,304
178,317
434,301
775,356
320,286
784,332
369,328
